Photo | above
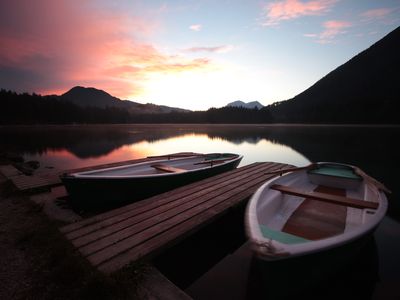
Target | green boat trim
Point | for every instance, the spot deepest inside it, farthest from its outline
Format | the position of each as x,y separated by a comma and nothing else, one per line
282,237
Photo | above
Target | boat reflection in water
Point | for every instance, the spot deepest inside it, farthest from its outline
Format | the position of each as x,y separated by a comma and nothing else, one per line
351,273
239,275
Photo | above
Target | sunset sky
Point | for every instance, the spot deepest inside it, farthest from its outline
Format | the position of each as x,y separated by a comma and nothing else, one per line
188,54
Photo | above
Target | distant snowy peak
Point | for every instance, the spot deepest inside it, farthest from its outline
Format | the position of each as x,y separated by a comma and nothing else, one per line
249,105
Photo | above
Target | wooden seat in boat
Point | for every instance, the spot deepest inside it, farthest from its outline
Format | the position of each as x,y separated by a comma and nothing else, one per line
168,169
314,220
325,194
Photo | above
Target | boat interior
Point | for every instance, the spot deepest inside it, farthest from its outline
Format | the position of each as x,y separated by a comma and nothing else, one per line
162,166
315,206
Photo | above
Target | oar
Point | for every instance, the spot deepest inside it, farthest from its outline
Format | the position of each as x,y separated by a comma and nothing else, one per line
175,155
212,161
283,171
357,170
371,180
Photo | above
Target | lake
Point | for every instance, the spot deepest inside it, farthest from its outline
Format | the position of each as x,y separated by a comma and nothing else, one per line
374,149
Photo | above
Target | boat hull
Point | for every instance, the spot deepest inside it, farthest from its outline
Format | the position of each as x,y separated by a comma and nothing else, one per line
98,194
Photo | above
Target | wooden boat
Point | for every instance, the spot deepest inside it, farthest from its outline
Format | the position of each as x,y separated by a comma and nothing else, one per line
312,210
112,187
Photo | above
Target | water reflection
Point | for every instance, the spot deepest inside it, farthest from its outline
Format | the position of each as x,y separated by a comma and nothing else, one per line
67,147
374,149
238,276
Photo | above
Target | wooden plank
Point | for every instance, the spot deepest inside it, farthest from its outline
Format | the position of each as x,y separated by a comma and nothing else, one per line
168,237
168,169
122,243
169,200
190,203
24,182
9,171
339,200
315,220
156,200
113,239
100,221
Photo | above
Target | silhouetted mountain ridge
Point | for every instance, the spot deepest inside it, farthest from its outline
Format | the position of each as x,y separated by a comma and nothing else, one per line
365,89
85,97
93,97
249,105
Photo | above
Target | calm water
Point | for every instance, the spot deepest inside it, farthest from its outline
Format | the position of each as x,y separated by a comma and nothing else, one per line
373,149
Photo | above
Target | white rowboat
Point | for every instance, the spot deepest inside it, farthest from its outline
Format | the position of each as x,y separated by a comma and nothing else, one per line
312,210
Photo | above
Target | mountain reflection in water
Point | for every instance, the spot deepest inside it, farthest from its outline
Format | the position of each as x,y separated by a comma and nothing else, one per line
373,149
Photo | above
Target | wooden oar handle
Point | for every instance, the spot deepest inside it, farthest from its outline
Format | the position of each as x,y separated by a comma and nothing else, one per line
176,155
372,180
212,161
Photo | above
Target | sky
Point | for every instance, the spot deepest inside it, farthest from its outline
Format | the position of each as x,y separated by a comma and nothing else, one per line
184,53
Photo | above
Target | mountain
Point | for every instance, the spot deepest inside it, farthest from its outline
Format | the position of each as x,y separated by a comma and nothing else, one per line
249,105
86,97
365,89
92,97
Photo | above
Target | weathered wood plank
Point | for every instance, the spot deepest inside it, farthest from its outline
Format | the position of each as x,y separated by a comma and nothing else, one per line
113,234
173,201
9,171
169,198
145,232
154,201
338,200
168,237
168,169
315,220
23,182
142,229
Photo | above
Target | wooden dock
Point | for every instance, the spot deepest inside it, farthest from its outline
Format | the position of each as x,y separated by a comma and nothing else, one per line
143,229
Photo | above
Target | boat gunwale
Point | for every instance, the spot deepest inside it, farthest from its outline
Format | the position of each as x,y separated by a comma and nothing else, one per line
87,174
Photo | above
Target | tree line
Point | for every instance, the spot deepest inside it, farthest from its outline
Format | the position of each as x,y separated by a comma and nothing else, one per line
36,109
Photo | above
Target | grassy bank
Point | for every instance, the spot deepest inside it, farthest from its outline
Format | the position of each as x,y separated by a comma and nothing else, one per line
36,262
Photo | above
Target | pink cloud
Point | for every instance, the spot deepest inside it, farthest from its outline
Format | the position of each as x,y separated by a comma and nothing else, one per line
179,66
196,27
332,29
377,13
278,11
217,49
49,46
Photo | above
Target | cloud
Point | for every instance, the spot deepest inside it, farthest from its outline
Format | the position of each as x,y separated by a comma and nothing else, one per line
377,13
310,35
50,46
332,29
217,49
199,63
196,27
279,11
